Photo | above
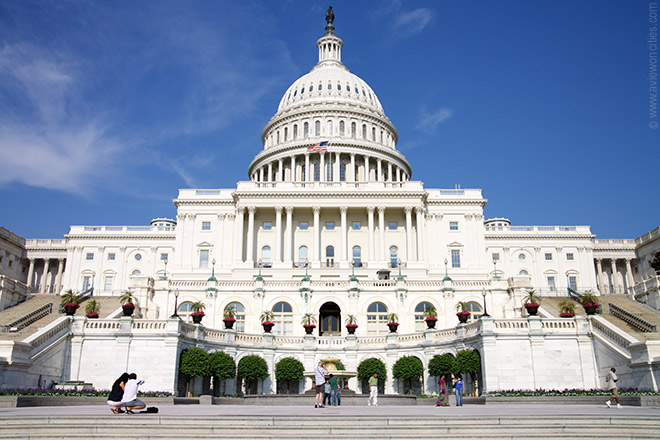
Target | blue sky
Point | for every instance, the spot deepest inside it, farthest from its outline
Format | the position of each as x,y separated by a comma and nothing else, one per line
108,108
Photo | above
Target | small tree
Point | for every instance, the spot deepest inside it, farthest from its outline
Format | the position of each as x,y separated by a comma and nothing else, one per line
441,364
127,297
408,368
252,368
367,368
655,263
92,308
340,366
221,368
288,370
468,362
194,363
70,297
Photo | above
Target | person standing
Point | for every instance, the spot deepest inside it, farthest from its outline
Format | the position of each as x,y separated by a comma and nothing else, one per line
319,380
458,390
611,379
373,390
326,393
130,400
443,399
334,389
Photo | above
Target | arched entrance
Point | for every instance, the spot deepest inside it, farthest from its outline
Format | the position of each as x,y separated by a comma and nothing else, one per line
329,319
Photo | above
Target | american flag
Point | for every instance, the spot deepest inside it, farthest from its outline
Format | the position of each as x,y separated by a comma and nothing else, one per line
318,148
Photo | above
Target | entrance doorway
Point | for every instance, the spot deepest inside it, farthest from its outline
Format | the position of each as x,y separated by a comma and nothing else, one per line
329,319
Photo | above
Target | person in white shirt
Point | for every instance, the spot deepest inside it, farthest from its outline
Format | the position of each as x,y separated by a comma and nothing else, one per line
611,380
319,380
130,400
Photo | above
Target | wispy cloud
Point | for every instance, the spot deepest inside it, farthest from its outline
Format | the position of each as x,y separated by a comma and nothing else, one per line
429,121
413,22
45,140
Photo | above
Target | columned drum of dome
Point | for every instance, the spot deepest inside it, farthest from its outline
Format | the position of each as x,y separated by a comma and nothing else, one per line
329,104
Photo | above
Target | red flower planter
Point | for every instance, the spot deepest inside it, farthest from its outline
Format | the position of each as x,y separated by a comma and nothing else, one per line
463,317
197,317
532,308
430,322
351,328
229,323
268,326
309,328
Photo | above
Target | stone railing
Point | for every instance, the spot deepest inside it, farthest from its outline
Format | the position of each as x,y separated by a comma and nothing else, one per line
45,243
633,320
45,336
644,287
651,235
612,333
28,319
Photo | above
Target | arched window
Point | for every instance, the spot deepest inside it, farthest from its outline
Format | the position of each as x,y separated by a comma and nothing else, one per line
136,273
341,127
353,129
394,256
377,319
283,319
240,316
295,131
278,136
342,172
330,256
329,133
357,256
476,310
364,131
317,128
523,272
303,173
265,256
302,256
373,134
286,134
317,172
306,129
184,311
420,325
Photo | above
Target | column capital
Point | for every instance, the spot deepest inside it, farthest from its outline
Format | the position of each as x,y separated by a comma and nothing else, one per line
289,210
252,210
370,209
278,210
316,209
343,209
381,209
408,209
240,210
419,209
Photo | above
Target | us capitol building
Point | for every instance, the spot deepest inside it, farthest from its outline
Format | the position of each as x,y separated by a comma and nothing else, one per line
331,223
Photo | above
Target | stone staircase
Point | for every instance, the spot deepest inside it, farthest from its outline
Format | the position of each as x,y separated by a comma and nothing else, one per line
648,314
108,305
336,426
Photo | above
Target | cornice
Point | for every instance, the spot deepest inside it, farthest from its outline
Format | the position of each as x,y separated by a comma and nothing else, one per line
541,237
183,202
478,202
120,237
330,195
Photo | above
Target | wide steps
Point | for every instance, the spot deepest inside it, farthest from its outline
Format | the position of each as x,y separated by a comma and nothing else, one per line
154,426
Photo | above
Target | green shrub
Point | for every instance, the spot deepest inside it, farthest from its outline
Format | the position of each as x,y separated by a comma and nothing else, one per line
252,368
368,367
408,368
288,370
441,364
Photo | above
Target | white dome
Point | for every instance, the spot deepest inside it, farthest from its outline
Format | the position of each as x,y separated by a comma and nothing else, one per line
330,80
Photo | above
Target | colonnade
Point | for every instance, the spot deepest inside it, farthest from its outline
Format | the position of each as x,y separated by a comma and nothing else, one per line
45,280
616,281
283,251
301,168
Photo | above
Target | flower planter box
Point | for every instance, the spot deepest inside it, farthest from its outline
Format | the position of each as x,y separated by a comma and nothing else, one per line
430,322
70,309
309,328
229,323
463,317
532,309
92,315
128,309
268,326
393,326
590,309
197,317
351,328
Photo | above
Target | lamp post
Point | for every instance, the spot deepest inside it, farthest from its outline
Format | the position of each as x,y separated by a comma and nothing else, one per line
496,276
446,278
483,293
176,304
398,263
164,277
91,290
213,268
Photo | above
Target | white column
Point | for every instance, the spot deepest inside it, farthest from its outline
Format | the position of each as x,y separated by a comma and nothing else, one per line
261,174
292,176
238,257
366,169
289,234
44,277
250,235
308,171
629,276
316,252
352,172
601,285
379,172
343,252
381,231
614,277
420,232
390,178
278,232
335,174
370,213
58,278
408,211
30,274
270,172
322,177
398,174
280,170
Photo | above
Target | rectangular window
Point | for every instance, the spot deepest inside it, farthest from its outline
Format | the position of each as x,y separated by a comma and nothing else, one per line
87,282
548,257
107,283
303,226
572,282
392,226
453,226
206,226
455,258
496,257
570,256
204,258
551,282
89,256
356,226
164,257
330,226
267,226
111,256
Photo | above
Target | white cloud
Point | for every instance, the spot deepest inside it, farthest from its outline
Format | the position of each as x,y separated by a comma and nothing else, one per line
429,122
413,22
